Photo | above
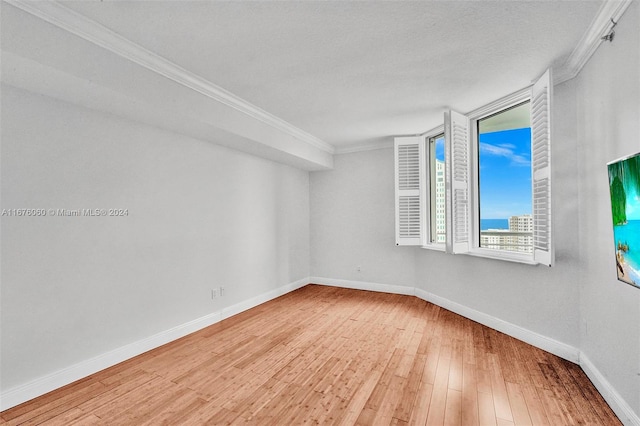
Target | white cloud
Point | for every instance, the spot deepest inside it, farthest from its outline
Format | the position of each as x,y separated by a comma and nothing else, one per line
505,150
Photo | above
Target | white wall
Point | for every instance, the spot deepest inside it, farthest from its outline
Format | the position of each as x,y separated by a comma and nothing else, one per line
608,127
200,216
352,216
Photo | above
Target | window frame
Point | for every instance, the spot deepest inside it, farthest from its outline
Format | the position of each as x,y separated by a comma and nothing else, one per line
427,244
492,108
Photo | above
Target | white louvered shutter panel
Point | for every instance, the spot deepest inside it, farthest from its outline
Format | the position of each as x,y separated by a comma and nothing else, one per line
541,95
409,166
457,153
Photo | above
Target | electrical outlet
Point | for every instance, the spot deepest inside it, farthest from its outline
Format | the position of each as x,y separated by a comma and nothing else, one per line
359,268
221,291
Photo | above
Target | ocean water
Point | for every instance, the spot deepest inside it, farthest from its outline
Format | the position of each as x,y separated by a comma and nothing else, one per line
630,234
486,224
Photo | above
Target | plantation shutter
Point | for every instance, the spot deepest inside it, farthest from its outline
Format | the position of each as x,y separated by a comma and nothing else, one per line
541,94
457,170
409,167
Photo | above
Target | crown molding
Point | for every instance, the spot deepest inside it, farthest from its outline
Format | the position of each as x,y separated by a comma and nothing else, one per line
592,38
81,26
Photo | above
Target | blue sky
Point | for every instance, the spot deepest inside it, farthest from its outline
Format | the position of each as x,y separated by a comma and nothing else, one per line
505,173
440,148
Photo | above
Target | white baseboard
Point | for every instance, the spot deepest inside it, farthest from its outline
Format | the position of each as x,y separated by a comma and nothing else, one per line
538,340
550,345
63,377
55,380
624,412
362,285
619,406
262,298
568,352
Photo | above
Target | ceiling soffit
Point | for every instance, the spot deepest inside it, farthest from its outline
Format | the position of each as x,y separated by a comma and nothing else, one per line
243,120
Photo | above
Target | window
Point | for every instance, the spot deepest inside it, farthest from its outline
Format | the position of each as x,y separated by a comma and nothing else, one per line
488,192
436,186
420,190
504,179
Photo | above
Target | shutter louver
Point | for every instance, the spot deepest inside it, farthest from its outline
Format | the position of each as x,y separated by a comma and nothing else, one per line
409,166
457,171
541,95
409,217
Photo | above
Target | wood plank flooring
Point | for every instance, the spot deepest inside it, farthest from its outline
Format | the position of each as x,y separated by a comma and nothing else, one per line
328,355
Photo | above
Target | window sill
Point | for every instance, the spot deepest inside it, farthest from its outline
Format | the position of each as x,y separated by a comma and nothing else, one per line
526,259
503,255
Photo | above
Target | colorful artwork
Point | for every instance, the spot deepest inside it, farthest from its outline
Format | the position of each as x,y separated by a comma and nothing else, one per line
624,187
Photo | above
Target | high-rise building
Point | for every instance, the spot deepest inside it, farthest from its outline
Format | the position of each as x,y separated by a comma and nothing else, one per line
522,224
441,235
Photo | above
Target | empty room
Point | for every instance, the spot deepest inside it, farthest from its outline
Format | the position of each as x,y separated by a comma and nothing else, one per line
328,212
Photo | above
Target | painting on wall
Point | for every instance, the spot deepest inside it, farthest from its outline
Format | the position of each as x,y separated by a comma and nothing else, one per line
624,188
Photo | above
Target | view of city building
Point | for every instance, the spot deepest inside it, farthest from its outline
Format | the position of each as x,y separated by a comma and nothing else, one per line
441,232
519,236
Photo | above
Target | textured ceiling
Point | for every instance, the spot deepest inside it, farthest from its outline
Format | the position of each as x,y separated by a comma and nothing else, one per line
356,73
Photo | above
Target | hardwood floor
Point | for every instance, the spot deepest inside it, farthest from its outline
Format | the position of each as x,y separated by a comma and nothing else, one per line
327,355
